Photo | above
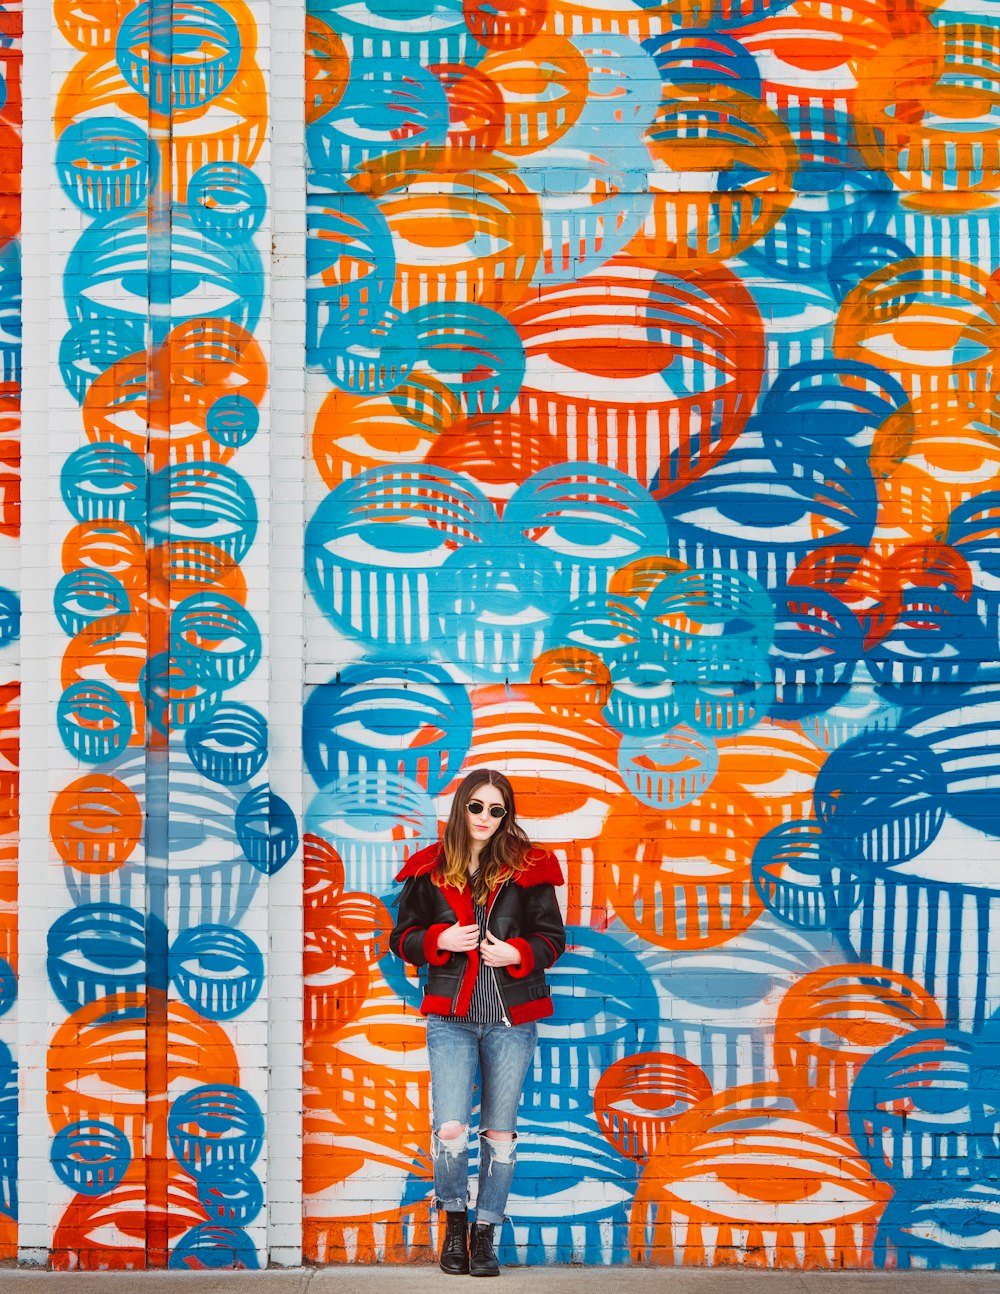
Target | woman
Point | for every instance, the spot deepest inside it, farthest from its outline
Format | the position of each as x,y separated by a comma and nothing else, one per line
479,910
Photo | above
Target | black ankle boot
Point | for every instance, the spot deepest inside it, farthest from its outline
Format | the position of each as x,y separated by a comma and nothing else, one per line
482,1259
455,1252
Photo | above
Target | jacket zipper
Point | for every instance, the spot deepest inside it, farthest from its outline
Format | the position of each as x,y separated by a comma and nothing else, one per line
457,994
496,979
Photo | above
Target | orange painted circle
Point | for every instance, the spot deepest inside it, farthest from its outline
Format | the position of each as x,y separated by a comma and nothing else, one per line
96,823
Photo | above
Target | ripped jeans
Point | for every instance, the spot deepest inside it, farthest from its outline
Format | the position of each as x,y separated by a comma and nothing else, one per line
503,1053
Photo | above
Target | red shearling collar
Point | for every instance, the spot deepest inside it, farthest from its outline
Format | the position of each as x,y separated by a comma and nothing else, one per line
420,862
541,866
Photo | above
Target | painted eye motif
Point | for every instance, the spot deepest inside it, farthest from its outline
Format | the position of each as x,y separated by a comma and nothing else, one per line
386,107
601,967
817,642
392,105
748,1158
960,1229
607,626
104,164
90,1156
620,69
713,625
916,1095
216,970
96,823
373,821
473,351
230,745
637,1099
932,641
799,512
266,830
205,501
417,718
350,263
215,1125
822,410
107,274
583,508
96,950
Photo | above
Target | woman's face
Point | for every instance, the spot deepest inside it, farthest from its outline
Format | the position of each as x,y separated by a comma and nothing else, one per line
482,825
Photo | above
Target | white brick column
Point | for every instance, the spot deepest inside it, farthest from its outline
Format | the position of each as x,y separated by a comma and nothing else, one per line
286,630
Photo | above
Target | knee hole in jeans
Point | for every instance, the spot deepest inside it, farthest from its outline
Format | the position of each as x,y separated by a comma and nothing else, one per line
503,1146
452,1138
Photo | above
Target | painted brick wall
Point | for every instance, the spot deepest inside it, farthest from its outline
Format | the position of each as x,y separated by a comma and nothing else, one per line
653,460
151,829
10,600
607,394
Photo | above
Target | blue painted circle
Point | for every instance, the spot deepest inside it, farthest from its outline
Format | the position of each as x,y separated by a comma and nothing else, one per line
94,721
218,971
266,830
90,1157
233,421
234,1199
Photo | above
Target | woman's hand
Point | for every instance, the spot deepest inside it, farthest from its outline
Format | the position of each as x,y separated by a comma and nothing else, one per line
497,952
458,938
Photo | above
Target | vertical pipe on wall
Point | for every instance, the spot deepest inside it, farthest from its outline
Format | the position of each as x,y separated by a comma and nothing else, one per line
160,218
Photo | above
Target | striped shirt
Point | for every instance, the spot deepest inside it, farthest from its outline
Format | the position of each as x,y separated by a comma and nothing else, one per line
486,1006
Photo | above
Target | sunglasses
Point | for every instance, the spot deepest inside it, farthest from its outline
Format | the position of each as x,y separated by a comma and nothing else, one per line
496,810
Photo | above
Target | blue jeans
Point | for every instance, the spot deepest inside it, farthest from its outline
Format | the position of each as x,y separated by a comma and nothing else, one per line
503,1053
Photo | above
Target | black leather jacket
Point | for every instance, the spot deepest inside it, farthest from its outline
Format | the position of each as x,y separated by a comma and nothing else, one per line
523,911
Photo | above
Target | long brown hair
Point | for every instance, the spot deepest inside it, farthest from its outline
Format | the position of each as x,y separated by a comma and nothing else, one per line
502,856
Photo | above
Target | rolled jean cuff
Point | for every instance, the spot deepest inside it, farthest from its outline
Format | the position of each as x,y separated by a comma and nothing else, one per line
451,1206
490,1219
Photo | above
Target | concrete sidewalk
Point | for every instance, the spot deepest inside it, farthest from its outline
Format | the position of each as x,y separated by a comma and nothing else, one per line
514,1280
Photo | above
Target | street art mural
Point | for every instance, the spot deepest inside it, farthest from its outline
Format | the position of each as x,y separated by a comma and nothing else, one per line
652,454
10,602
165,828
652,363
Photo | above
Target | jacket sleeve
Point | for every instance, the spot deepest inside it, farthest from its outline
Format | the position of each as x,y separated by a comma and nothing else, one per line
544,937
413,936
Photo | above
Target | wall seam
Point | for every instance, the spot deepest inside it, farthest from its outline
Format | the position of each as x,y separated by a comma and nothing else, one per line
287,523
